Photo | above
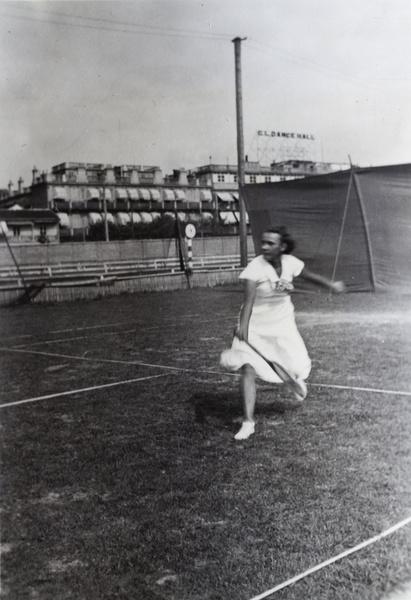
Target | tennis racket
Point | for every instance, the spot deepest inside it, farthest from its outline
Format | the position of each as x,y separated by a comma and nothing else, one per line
297,387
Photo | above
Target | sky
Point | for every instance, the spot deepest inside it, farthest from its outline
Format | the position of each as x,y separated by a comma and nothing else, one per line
152,82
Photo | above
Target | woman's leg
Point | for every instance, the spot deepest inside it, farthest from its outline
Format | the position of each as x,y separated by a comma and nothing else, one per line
248,396
248,392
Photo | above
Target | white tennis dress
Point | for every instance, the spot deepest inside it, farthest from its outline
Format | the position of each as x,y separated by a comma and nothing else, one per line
272,328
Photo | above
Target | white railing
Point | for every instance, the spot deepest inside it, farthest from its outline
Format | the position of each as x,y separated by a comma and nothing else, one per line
118,269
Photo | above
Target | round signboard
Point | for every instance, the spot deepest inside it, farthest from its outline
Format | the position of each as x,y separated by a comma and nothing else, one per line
190,230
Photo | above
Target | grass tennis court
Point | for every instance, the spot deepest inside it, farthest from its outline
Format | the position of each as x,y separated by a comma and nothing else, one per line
121,478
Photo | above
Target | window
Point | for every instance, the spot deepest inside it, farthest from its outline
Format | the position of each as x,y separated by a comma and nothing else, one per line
253,178
235,178
267,179
220,177
16,230
43,229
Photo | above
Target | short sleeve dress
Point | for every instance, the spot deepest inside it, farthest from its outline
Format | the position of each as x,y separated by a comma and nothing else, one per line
272,328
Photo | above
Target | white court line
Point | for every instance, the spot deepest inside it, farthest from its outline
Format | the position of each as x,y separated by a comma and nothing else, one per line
360,389
85,337
184,370
30,335
334,559
80,391
172,319
109,360
87,327
72,339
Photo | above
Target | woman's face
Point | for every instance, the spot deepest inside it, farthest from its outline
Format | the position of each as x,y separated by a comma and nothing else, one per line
271,245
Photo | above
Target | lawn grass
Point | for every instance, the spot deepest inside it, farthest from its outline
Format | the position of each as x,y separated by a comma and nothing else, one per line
139,491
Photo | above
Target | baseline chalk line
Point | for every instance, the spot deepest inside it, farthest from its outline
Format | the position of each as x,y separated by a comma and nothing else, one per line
100,333
360,389
334,559
82,390
137,363
185,370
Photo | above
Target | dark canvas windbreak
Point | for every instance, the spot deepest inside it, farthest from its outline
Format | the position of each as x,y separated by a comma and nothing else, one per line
371,233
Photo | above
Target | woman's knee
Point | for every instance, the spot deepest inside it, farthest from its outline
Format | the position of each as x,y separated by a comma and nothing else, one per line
248,371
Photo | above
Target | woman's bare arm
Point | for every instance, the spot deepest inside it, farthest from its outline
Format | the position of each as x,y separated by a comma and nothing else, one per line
335,286
249,291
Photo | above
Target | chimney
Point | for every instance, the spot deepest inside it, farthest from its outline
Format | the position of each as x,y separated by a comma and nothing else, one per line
158,177
34,171
81,173
110,177
10,186
134,176
20,184
182,177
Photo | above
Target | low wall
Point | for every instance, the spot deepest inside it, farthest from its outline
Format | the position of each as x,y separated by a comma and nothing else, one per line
149,283
77,252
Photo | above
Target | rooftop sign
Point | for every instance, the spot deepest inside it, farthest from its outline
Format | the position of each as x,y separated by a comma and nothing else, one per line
279,134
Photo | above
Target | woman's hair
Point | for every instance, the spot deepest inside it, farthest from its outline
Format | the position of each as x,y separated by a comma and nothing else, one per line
286,238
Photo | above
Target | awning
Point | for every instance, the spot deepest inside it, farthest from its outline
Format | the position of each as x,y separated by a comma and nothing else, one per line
107,194
121,194
155,195
110,218
132,193
179,194
182,216
169,214
206,196
237,216
59,193
94,218
93,194
123,218
144,194
225,196
207,217
168,195
64,219
194,217
146,217
228,218
235,195
155,215
136,217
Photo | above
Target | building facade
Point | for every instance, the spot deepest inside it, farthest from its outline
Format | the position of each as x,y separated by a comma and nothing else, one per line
23,225
85,194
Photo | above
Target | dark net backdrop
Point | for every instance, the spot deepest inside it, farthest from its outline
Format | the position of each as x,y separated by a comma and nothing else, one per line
358,229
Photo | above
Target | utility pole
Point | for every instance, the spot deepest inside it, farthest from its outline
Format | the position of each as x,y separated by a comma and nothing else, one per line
240,150
105,207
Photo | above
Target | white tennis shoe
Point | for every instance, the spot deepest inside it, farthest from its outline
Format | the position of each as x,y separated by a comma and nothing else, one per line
247,429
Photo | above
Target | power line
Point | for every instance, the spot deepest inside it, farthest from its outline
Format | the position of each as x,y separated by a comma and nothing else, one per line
116,26
153,30
316,67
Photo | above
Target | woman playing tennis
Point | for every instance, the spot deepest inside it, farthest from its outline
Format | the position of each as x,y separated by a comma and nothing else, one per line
267,323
